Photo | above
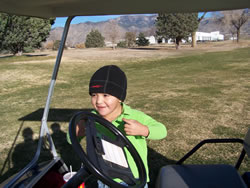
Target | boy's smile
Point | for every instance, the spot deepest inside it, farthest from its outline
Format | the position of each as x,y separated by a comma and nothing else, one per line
108,106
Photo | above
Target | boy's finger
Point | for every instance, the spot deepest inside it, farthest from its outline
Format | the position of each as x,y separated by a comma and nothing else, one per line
127,126
126,120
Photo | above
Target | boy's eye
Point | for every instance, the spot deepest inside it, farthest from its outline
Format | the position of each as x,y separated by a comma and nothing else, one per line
93,94
105,95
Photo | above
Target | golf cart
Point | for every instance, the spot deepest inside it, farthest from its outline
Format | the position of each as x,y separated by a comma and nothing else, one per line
37,175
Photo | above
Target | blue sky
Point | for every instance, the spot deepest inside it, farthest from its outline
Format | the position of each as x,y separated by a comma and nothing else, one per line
59,22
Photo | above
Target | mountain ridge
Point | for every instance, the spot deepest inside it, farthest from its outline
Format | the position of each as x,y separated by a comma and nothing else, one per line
128,23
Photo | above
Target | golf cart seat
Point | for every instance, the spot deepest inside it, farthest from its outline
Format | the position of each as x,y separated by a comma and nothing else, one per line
206,176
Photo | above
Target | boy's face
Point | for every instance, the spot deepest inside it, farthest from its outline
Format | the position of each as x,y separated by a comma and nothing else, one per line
108,106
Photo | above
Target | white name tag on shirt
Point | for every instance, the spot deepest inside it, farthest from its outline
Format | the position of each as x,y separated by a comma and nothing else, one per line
114,154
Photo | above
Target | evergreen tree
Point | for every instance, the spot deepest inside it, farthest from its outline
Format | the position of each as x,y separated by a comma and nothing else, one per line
94,39
3,27
18,33
176,26
142,41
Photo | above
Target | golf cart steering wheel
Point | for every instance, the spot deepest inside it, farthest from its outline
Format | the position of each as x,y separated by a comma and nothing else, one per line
88,163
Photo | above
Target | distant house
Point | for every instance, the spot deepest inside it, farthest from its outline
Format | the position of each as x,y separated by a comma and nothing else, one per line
152,40
200,36
109,44
213,36
233,38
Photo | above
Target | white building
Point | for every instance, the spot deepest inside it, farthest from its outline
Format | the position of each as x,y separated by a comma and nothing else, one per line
152,40
200,36
213,36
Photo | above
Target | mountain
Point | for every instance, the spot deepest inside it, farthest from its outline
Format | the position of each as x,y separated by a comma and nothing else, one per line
140,22
78,32
132,23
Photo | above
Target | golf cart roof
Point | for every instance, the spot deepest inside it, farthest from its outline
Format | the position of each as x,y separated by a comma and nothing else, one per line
64,8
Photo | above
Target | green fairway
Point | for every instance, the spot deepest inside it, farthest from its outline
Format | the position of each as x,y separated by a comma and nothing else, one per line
196,97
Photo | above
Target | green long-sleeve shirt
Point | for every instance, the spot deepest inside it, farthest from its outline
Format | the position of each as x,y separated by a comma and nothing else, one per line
156,131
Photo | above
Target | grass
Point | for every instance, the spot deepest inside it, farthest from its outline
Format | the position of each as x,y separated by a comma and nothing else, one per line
196,97
9,59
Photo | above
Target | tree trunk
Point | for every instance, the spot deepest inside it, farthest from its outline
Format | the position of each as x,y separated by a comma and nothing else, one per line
19,53
177,44
238,35
193,39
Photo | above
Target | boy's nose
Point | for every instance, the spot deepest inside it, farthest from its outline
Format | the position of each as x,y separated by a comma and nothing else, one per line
99,99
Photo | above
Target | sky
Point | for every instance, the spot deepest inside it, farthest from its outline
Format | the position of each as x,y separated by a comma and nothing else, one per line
59,22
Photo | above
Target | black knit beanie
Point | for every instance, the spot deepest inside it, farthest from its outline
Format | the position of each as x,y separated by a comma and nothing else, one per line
109,79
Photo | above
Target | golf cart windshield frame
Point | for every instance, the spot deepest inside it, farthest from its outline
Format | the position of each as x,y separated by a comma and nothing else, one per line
44,131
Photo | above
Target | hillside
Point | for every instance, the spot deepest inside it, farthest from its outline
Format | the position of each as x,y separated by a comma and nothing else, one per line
136,23
78,32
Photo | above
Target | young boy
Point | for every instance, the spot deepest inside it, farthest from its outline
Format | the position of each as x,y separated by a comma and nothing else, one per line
107,89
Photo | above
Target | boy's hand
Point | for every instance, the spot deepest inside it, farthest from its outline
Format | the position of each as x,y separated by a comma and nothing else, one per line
133,127
80,130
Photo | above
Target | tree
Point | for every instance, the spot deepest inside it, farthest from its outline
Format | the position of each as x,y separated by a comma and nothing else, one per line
3,28
94,39
56,45
122,44
142,41
130,38
233,20
232,31
113,32
194,32
18,33
176,26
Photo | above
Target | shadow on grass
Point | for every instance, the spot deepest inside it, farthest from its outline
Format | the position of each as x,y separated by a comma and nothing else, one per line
21,154
7,162
55,114
155,162
150,49
154,48
26,55
7,56
36,55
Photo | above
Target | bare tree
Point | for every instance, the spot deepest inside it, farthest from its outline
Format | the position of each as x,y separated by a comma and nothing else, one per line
130,38
232,31
234,20
194,33
113,32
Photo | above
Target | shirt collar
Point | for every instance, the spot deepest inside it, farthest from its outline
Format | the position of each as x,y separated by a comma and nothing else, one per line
126,111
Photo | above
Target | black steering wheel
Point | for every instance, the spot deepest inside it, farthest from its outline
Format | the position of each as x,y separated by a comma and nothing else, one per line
90,166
